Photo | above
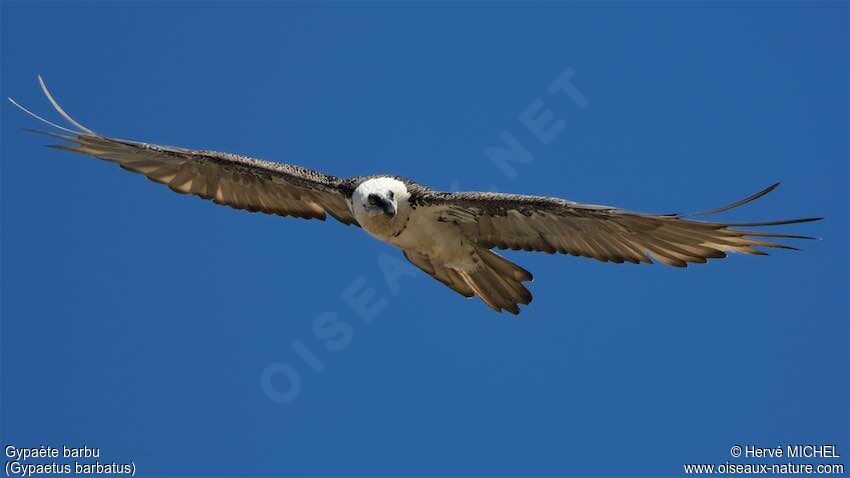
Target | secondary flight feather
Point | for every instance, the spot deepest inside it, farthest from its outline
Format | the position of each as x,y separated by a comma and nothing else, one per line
448,235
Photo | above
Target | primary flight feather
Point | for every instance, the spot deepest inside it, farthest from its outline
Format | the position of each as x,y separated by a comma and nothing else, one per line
448,235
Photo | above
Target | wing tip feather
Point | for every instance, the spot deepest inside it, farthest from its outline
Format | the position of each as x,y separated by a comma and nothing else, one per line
59,109
735,204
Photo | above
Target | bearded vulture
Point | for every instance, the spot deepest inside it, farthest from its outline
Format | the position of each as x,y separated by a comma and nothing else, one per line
449,235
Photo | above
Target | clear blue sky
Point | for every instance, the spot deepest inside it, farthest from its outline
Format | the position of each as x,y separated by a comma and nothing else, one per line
141,321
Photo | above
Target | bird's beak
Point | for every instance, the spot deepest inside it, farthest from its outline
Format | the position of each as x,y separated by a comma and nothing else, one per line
389,208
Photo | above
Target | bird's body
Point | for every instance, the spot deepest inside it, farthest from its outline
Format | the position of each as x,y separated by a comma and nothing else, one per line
431,239
448,235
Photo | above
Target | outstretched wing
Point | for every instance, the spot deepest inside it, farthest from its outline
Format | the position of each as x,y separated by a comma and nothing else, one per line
232,180
535,223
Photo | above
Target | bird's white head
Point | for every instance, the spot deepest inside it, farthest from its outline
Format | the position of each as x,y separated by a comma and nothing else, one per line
381,204
379,197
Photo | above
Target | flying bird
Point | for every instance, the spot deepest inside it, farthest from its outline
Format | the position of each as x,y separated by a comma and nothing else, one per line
449,235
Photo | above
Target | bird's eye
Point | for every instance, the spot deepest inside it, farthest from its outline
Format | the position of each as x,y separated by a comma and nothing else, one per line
373,199
391,195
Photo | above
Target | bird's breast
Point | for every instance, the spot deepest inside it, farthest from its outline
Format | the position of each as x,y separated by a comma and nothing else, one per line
427,235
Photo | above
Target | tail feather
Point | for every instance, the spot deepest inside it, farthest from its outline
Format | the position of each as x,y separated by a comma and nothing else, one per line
494,279
504,266
498,282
